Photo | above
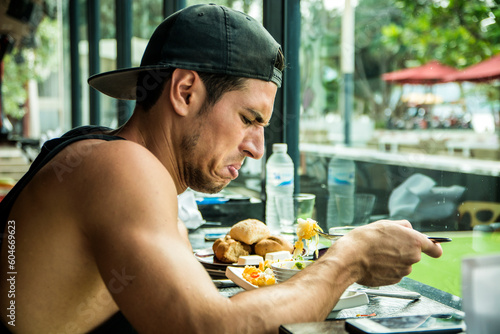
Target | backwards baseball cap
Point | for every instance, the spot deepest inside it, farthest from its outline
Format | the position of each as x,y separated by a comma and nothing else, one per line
204,38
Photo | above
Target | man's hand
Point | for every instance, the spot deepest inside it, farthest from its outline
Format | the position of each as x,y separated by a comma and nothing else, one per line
385,251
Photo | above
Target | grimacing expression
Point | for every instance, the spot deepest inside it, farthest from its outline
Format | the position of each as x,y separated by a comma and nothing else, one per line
222,135
195,178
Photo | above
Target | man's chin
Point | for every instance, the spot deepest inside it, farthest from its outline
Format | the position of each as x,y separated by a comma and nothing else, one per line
211,188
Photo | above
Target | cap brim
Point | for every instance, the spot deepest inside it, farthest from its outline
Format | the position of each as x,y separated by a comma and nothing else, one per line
120,84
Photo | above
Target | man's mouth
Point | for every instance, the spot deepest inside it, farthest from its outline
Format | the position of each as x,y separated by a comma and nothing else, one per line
233,169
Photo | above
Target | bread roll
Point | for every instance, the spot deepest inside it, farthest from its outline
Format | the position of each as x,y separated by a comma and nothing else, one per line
249,231
228,250
274,243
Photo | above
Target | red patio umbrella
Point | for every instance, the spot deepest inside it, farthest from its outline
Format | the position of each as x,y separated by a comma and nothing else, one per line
431,73
486,70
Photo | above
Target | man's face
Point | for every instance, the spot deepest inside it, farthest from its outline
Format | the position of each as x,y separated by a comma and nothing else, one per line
226,133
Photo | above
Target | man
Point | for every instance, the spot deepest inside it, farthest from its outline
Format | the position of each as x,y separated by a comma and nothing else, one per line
97,244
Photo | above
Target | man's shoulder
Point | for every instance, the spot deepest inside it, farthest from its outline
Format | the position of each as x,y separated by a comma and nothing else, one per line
116,176
112,164
92,153
127,157
114,149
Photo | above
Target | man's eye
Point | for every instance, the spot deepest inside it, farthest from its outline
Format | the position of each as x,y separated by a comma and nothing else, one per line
246,120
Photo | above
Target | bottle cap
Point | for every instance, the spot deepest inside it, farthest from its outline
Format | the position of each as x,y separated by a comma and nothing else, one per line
280,147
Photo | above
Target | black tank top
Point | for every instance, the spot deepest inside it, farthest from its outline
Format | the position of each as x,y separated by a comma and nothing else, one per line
117,323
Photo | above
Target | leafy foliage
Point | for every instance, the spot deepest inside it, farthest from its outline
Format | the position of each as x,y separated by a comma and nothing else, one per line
458,33
25,64
395,34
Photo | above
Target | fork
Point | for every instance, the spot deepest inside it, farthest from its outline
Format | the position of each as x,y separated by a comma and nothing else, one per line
335,236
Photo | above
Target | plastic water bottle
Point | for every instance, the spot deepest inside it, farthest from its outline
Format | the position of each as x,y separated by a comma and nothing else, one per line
341,185
279,182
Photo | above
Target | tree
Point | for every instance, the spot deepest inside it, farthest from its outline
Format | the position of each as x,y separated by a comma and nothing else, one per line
458,33
32,59
394,34
321,35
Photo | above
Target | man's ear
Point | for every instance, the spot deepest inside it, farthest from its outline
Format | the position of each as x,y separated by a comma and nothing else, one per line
187,91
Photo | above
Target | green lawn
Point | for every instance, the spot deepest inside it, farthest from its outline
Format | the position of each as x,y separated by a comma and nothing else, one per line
445,273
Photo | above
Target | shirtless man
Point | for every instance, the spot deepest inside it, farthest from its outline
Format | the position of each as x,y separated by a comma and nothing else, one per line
97,244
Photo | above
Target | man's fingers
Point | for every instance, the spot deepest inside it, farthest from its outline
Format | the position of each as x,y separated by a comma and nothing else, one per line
431,248
428,246
404,223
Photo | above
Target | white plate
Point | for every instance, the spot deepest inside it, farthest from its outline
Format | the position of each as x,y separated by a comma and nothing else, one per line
235,275
351,299
347,300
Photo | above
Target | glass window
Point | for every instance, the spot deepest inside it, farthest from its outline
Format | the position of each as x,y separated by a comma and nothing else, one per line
32,65
423,142
146,15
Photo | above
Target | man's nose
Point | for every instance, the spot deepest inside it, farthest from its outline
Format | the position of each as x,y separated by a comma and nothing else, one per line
253,145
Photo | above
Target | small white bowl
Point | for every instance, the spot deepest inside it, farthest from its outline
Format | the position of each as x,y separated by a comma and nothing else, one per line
284,270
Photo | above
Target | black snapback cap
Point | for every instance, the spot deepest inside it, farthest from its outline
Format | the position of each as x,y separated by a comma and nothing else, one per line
206,38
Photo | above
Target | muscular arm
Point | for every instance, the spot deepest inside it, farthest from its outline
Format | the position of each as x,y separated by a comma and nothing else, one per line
153,277
183,230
